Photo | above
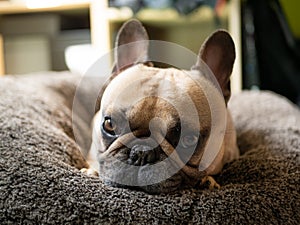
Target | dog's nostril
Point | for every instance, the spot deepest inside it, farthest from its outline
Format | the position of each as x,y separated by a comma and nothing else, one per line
151,157
141,155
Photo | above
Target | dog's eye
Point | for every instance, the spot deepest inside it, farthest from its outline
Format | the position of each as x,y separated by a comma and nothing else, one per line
189,141
109,126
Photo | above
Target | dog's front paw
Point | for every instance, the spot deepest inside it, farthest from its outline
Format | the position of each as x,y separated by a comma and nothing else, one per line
90,172
212,183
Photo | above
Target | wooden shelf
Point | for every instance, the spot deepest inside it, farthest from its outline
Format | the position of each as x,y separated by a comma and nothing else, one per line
2,68
13,8
17,8
171,16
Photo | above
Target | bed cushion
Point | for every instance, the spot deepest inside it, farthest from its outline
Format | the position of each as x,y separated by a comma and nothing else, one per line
40,180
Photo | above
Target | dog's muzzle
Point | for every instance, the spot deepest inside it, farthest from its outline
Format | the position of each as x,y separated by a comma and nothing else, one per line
144,164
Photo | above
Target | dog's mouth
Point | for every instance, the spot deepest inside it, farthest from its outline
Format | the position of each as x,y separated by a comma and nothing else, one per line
141,168
145,165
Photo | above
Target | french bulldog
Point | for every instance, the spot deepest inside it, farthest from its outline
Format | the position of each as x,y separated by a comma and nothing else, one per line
154,123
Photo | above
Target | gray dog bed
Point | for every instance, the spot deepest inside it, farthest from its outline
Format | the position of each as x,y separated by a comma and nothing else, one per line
40,181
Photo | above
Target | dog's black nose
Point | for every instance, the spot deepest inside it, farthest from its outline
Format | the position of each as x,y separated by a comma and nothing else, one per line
140,155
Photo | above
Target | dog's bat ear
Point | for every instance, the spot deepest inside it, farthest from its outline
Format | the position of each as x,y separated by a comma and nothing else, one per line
131,44
218,52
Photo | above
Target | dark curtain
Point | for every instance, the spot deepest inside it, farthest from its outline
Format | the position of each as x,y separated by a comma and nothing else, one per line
271,55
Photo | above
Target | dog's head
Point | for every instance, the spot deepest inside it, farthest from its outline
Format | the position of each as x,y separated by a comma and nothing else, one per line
154,123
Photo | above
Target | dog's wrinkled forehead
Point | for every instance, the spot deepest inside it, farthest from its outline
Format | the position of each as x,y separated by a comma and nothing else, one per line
174,91
142,81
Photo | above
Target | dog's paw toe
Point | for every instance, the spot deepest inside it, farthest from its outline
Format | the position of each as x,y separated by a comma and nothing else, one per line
212,183
90,172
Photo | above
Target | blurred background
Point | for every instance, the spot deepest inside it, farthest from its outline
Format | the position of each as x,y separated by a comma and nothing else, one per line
56,35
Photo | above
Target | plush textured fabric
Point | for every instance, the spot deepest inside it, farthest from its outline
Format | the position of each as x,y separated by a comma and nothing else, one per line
40,181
